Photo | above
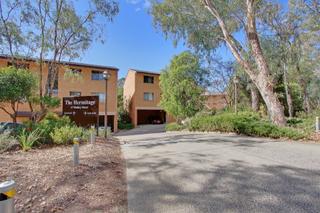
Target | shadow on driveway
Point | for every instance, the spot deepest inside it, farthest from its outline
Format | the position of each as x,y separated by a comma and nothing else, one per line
235,187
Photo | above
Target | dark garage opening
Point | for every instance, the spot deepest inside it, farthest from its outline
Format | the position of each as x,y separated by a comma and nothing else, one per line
151,117
110,121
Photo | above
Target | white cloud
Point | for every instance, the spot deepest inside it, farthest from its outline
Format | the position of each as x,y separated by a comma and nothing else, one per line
146,4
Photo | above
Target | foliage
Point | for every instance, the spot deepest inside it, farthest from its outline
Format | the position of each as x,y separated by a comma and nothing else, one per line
174,127
247,123
7,142
124,120
288,37
16,86
182,86
65,134
47,125
125,125
28,139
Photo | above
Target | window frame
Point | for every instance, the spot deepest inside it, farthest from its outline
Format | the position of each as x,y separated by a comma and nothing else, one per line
145,77
74,92
148,93
98,73
102,98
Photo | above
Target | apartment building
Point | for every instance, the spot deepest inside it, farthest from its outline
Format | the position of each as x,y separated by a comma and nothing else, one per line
89,82
141,93
215,101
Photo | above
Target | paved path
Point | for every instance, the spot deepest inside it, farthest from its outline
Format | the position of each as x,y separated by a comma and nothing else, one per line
197,172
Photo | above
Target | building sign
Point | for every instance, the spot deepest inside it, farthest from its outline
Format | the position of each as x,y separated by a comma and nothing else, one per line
83,110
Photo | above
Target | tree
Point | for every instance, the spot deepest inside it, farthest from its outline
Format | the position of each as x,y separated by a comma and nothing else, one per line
206,24
53,30
182,86
16,86
13,15
64,33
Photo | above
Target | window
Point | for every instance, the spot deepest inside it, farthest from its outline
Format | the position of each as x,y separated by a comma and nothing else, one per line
75,94
74,71
18,65
96,75
102,96
148,79
148,96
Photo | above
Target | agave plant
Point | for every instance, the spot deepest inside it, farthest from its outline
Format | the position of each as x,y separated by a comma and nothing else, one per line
28,139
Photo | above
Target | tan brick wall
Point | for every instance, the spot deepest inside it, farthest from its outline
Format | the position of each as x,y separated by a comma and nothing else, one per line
85,85
217,101
134,89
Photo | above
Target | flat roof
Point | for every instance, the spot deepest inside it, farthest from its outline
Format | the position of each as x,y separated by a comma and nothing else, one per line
66,63
144,71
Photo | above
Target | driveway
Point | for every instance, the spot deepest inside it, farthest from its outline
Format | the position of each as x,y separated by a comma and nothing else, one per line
200,172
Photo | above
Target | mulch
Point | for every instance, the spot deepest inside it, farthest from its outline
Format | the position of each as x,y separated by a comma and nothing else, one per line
47,180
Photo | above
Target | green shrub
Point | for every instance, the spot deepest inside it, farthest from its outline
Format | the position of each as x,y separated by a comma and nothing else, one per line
28,139
7,142
65,135
174,127
294,122
224,122
49,123
247,123
125,125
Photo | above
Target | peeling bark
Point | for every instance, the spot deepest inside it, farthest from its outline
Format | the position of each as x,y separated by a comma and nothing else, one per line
254,98
261,79
287,91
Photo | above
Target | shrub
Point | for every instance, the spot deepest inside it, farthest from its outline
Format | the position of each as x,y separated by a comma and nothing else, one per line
174,127
65,135
294,122
247,123
49,123
124,121
125,125
28,139
7,142
224,122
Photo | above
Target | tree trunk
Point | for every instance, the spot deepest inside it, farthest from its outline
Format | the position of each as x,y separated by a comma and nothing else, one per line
14,118
254,98
306,102
287,91
263,80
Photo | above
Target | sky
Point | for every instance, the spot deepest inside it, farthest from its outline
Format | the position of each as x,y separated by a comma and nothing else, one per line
132,41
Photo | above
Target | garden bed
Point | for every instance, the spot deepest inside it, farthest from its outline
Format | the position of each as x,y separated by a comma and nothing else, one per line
247,123
47,181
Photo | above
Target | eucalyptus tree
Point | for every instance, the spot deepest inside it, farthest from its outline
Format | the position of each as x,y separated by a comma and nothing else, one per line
305,49
206,24
14,19
62,33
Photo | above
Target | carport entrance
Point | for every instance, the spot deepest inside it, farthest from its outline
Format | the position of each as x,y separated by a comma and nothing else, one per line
151,117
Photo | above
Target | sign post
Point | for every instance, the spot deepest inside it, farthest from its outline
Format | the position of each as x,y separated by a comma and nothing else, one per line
83,110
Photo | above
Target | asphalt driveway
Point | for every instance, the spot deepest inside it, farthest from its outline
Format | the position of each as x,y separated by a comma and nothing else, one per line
200,172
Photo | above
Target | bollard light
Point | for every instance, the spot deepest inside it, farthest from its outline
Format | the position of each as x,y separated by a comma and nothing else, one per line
317,125
76,151
92,136
7,193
